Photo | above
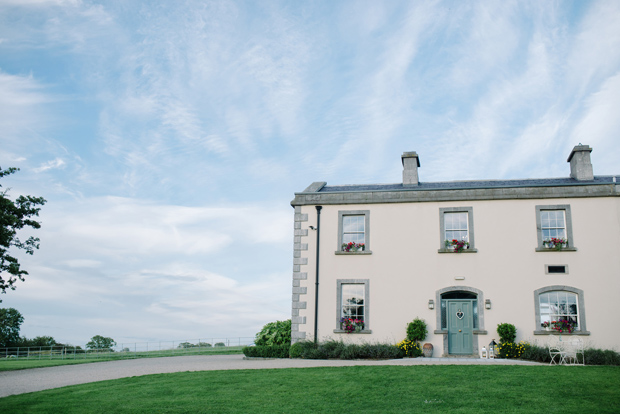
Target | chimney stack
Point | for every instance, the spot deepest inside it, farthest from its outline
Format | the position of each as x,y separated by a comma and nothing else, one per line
580,164
411,162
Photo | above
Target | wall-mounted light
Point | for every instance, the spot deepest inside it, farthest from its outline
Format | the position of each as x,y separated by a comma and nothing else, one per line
431,304
487,303
312,228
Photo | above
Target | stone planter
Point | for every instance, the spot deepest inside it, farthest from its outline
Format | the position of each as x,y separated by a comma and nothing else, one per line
427,350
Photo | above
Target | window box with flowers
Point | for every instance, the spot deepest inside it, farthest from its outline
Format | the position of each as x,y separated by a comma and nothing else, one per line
350,325
564,326
353,247
456,245
555,243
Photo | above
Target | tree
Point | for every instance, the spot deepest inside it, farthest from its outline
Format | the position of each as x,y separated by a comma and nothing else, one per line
14,216
10,321
39,341
101,342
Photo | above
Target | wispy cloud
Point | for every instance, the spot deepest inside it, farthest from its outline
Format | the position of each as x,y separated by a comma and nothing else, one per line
600,126
52,164
20,100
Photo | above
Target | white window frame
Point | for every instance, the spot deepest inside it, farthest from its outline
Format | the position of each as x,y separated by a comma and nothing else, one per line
568,226
581,310
344,213
339,304
470,228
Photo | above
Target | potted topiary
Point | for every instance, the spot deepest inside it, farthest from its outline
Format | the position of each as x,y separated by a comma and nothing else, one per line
416,332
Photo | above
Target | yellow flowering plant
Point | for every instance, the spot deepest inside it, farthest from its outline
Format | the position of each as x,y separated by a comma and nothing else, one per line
510,350
411,348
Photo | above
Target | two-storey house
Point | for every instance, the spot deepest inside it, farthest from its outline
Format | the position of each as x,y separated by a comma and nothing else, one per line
462,255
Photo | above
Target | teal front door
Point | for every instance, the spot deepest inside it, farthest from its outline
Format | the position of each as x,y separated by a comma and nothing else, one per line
460,327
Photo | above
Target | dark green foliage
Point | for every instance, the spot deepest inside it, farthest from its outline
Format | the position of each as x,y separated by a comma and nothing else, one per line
14,216
339,350
10,322
40,341
416,330
219,344
350,351
187,345
415,352
535,353
267,351
333,349
507,332
274,333
296,349
99,342
601,357
379,351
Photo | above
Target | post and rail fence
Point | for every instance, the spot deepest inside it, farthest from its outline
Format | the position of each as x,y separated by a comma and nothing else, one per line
129,350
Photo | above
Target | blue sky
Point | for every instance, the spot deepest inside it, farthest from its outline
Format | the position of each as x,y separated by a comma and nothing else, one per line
169,137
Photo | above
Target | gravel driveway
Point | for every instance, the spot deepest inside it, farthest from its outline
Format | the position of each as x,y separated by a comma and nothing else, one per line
38,379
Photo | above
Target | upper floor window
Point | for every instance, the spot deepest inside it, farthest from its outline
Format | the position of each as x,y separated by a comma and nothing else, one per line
554,228
552,224
353,229
456,229
354,232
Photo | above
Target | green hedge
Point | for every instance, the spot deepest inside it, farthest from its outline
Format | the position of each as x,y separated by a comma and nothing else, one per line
273,351
339,350
593,356
274,333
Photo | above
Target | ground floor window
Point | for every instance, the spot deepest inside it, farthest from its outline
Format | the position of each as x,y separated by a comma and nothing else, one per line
560,308
352,307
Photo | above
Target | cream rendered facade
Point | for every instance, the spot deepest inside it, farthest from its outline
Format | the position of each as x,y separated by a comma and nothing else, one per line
406,272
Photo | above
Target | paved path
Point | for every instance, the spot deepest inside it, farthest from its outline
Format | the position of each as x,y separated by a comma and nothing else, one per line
38,379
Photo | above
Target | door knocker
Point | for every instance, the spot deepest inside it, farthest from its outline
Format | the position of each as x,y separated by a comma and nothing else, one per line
460,314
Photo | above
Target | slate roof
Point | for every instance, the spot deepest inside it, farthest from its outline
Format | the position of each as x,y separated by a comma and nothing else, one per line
463,185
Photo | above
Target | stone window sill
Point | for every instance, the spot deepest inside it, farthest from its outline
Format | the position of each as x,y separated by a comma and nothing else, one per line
470,250
576,333
363,252
365,331
565,249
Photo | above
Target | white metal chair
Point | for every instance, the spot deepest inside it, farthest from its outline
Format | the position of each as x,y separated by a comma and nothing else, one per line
570,352
555,350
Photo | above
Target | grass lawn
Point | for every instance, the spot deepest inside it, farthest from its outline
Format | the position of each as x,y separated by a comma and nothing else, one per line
370,389
11,364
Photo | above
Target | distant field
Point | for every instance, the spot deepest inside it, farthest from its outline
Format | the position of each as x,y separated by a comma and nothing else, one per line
10,364
368,389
